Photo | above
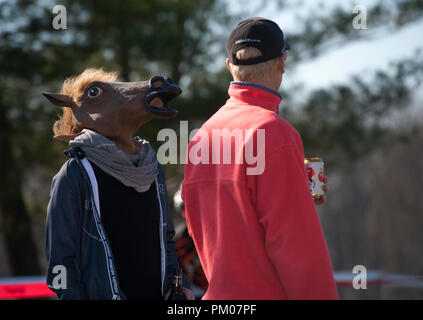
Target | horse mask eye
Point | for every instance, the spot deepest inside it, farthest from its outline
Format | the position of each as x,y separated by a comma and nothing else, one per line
94,92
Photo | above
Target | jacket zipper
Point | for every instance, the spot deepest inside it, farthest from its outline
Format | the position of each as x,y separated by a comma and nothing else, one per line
111,271
96,213
161,232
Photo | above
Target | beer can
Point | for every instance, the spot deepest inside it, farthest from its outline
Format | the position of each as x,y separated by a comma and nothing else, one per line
314,167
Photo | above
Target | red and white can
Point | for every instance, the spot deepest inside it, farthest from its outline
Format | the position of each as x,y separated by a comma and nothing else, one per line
315,173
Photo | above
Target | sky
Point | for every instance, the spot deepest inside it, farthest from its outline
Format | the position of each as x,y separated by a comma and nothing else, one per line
361,57
339,64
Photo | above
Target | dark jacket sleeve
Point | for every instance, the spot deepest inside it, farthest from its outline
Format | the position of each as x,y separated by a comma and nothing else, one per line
172,263
62,237
172,256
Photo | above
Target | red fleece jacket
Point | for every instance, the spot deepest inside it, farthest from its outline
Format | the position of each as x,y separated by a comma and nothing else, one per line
258,236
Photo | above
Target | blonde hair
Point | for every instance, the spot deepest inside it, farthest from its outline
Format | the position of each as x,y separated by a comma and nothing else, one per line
74,87
255,72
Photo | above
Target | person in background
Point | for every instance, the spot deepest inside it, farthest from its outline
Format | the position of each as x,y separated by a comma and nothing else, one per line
187,253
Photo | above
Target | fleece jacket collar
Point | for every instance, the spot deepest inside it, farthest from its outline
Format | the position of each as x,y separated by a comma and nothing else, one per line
255,94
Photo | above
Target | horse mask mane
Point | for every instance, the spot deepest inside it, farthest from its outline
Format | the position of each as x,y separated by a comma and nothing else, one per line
94,100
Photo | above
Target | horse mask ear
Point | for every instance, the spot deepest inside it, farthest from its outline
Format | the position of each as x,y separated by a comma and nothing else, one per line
59,99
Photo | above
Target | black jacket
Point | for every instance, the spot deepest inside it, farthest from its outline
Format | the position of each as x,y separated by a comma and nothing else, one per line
80,261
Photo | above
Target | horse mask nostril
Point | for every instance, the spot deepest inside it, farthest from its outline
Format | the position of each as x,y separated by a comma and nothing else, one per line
157,82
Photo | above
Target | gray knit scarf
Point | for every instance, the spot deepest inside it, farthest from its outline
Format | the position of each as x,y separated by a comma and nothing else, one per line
137,171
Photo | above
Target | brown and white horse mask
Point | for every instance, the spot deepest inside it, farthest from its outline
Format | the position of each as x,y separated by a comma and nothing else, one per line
114,108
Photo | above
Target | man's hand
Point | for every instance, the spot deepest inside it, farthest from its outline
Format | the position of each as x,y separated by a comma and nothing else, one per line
322,199
188,294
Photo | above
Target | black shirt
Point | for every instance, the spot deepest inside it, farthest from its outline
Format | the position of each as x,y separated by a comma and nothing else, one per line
131,221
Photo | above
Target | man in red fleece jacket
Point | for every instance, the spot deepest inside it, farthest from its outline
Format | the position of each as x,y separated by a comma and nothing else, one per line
246,194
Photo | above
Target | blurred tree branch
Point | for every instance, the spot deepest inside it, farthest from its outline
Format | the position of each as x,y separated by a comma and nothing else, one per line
349,119
322,31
